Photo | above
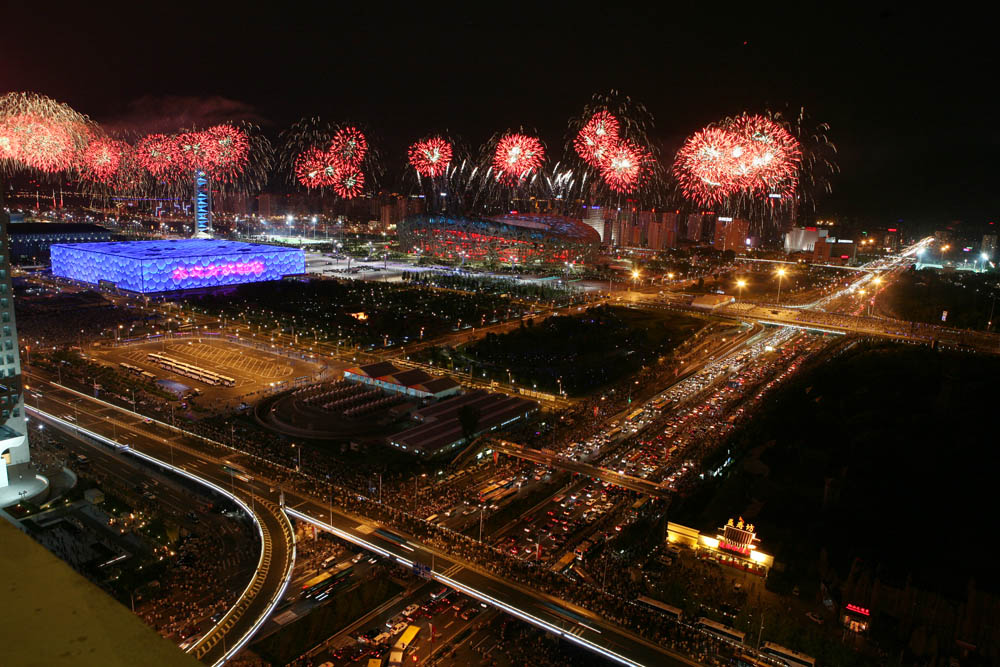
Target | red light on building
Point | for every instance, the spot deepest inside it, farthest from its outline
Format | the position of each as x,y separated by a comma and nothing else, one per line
858,610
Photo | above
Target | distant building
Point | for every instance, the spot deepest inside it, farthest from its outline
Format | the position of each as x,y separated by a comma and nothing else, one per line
803,239
892,239
989,246
829,250
593,217
731,233
30,241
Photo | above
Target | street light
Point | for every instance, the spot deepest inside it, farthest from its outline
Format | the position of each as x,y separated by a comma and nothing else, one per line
740,284
781,274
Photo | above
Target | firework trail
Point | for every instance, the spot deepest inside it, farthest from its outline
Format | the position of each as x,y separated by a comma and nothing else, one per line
41,135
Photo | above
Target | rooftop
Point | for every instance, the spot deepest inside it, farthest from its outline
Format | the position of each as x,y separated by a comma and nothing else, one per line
55,616
17,228
177,248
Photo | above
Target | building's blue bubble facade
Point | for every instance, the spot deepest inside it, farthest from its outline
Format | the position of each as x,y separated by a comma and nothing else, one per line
164,266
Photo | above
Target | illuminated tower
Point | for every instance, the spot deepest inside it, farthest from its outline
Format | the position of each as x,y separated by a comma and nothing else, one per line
17,479
202,205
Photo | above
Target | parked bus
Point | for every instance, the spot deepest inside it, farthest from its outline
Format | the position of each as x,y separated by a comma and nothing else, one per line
407,638
720,630
431,518
787,655
633,415
673,612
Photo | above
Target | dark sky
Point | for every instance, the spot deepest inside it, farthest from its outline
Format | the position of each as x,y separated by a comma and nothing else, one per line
909,94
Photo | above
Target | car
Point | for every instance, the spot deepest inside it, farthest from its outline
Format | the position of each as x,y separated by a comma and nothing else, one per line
399,627
469,613
411,610
147,420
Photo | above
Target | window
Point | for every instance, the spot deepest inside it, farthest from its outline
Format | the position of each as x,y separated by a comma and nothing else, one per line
6,331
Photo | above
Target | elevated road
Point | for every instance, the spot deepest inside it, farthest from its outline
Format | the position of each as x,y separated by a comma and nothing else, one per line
555,460
98,422
200,459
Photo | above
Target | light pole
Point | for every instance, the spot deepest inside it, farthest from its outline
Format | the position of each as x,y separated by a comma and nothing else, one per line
781,274
740,284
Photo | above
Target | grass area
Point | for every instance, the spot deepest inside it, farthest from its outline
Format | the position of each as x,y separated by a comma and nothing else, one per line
923,296
365,313
880,442
586,351
290,642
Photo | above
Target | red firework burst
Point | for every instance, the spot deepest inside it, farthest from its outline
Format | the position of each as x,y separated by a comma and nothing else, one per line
349,147
430,157
766,156
596,137
705,168
746,155
516,156
38,142
315,168
103,158
625,166
349,183
228,151
160,155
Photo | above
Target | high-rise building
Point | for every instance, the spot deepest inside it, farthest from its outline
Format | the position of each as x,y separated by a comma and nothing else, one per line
731,233
989,246
17,479
694,227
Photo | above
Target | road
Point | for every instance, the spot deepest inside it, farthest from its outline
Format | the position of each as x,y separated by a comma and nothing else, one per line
79,415
202,460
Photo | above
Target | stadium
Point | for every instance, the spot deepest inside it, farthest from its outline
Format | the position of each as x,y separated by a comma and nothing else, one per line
163,266
517,239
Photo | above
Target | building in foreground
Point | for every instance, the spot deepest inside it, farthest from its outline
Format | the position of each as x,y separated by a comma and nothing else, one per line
510,239
735,544
164,266
17,479
413,382
440,430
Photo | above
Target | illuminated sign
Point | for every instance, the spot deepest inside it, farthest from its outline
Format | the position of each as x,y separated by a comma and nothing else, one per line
892,229
734,547
722,219
858,610
212,270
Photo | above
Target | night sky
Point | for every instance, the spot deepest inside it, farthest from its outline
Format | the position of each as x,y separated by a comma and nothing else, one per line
909,94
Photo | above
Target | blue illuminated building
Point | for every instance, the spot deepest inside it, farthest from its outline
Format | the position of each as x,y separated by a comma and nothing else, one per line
164,266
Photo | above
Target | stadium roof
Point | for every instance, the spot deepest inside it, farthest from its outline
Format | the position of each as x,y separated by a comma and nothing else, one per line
16,228
535,225
178,248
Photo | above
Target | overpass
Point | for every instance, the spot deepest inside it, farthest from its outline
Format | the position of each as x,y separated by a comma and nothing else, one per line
556,460
200,459
98,422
